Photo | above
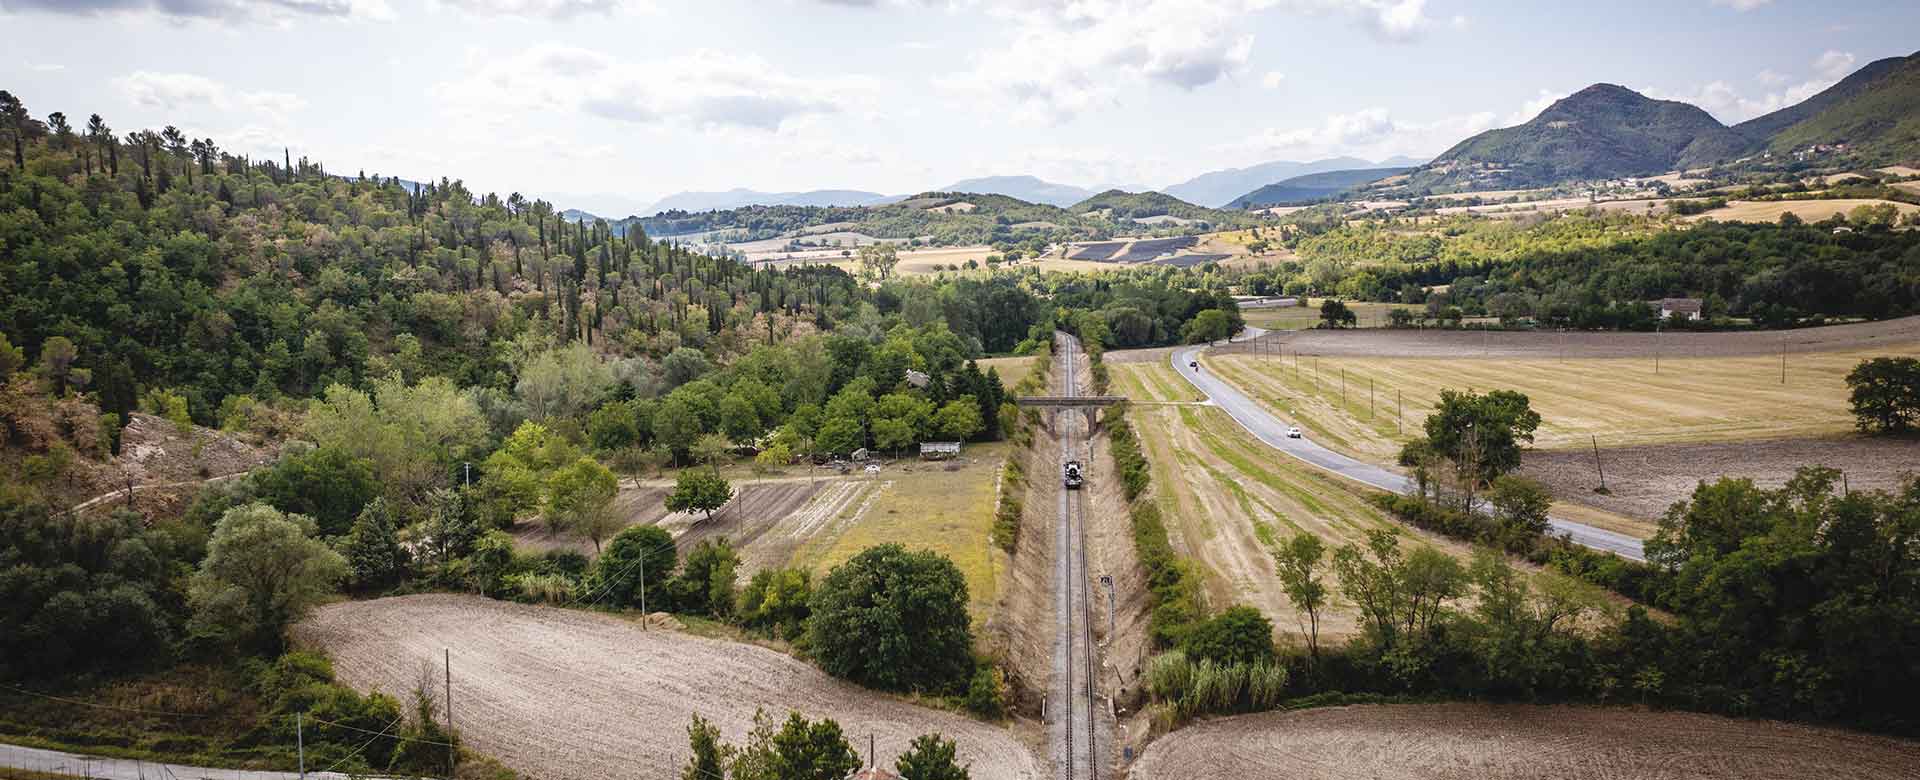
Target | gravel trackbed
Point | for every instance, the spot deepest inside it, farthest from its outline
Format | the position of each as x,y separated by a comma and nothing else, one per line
559,694
1494,742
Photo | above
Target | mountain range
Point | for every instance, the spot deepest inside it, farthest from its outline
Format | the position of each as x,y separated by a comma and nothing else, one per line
1609,131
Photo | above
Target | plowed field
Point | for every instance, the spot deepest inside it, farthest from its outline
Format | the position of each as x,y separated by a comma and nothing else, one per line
1492,742
560,694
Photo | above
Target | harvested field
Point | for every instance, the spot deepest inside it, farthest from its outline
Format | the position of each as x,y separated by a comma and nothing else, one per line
1227,498
1809,210
1369,315
1900,170
1151,381
1619,401
561,694
1886,336
1491,742
1644,481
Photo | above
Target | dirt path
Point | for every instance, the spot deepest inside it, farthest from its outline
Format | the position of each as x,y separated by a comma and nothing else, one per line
563,694
1497,742
121,494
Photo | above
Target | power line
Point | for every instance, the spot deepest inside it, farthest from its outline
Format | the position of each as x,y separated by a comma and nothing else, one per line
82,703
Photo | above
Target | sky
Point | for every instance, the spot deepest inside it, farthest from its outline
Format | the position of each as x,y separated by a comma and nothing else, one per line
608,105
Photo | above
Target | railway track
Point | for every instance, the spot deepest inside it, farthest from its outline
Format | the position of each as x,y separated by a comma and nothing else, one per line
1073,699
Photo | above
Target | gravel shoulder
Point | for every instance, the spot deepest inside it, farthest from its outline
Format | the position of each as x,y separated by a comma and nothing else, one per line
1495,742
564,694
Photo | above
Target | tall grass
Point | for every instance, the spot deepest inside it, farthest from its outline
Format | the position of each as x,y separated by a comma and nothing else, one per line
1184,689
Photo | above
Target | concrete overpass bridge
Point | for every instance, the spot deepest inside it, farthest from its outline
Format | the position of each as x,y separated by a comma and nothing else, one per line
1088,405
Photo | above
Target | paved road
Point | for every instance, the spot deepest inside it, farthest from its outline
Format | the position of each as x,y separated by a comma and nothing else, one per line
76,765
1268,428
1077,733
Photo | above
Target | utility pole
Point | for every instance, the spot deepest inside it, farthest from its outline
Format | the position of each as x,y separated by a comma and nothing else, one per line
1783,359
468,469
1602,490
643,590
447,656
300,741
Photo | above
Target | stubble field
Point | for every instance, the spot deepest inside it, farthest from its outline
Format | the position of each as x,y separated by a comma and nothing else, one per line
1229,498
1496,742
565,694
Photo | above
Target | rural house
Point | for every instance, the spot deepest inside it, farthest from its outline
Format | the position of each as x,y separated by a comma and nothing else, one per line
1683,308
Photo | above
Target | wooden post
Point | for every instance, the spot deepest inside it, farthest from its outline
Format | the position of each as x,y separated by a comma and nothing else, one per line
447,660
1596,462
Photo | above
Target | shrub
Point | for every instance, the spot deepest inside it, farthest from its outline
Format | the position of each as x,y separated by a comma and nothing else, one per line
894,620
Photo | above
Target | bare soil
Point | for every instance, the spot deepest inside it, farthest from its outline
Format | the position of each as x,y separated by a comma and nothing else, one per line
1372,342
1643,481
563,694
1490,742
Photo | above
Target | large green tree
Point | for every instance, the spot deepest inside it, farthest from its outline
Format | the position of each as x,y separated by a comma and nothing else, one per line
894,620
262,572
699,490
1885,393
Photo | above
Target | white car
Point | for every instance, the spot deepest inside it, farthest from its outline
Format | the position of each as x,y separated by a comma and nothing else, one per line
1293,432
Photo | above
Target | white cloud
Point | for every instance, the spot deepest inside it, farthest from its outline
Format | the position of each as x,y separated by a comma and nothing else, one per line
541,9
1834,64
1372,133
45,67
1767,77
1742,6
231,11
703,88
1070,56
1532,108
1273,79
182,93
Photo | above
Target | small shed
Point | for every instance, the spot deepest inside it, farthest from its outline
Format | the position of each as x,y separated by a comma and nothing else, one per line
861,455
1681,308
939,450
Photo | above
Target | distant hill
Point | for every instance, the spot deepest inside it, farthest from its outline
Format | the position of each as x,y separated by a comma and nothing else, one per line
1122,206
1312,187
1219,188
1603,131
1027,188
738,197
1875,112
1764,128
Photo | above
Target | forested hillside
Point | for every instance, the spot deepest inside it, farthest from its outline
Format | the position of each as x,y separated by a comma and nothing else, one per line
1599,132
951,218
1597,270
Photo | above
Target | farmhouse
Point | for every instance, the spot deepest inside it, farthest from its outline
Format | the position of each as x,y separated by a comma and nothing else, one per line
1683,308
939,450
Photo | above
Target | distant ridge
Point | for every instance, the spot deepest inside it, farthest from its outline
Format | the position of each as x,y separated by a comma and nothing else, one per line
1028,188
1219,188
1312,187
